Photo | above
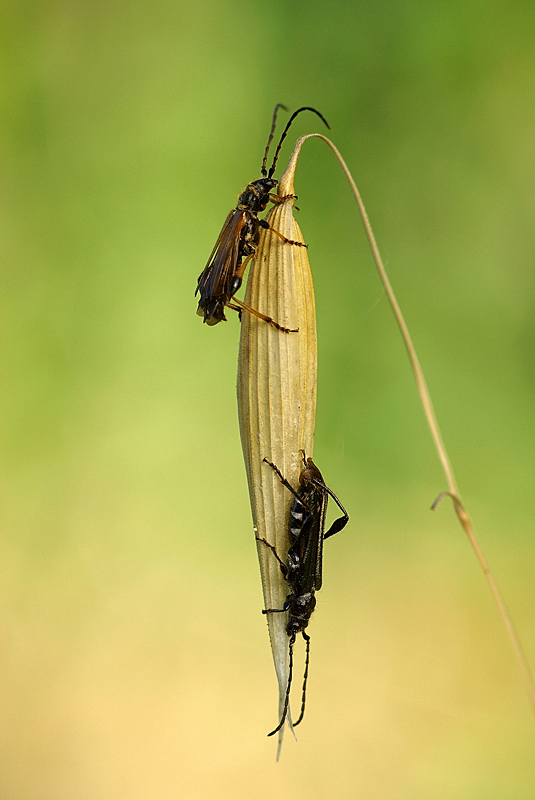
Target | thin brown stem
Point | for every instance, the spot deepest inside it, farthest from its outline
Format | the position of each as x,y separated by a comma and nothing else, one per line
429,412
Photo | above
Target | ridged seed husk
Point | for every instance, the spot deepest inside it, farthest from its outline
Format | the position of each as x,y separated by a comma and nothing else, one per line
277,380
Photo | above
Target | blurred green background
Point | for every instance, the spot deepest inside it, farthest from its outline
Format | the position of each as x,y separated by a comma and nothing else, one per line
135,661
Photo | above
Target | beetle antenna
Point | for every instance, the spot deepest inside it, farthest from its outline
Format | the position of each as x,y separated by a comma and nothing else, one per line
285,131
287,698
270,139
305,677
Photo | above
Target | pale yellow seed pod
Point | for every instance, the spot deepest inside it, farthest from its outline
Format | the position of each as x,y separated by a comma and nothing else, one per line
277,384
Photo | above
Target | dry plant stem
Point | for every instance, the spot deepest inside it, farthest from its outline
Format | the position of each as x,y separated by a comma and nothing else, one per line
277,379
462,515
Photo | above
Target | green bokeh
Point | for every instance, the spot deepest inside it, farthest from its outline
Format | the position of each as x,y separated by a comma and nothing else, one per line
134,657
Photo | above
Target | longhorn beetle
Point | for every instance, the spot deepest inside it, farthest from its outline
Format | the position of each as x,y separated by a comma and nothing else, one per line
303,568
238,240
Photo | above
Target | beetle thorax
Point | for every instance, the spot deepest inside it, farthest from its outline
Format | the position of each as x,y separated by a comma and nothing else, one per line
255,196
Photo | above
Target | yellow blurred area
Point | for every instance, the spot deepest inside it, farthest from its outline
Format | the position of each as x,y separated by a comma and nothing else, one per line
134,659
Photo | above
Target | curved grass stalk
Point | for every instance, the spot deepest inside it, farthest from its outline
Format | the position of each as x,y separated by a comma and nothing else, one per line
425,398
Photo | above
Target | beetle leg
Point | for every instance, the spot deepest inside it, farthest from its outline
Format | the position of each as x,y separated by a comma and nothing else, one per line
267,227
241,269
285,482
277,199
284,568
258,314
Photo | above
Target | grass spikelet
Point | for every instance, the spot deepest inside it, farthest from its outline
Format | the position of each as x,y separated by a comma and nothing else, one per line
277,383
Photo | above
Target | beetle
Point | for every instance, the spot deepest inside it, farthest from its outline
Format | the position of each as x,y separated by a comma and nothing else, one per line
303,568
237,243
